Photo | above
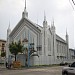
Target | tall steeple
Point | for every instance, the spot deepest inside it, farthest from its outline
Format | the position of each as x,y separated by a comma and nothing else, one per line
25,13
7,43
9,25
25,4
44,22
44,16
52,22
25,7
67,43
45,34
66,32
66,36
8,31
52,26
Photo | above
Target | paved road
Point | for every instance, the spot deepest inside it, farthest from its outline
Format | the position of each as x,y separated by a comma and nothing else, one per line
34,71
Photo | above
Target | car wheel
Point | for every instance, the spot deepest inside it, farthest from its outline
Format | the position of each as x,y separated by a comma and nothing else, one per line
65,73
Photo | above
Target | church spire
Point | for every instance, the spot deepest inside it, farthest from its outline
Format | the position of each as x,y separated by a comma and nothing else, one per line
8,31
25,13
44,16
66,31
25,4
44,22
9,25
25,7
66,36
52,26
52,23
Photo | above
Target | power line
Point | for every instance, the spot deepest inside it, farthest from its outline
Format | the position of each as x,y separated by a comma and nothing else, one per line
73,2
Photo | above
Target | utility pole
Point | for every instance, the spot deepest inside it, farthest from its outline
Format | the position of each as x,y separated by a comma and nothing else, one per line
28,48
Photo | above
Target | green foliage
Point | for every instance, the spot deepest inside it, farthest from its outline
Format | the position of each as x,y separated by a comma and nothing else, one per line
3,54
20,47
15,48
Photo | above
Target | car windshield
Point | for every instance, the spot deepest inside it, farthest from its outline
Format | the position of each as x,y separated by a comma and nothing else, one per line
73,64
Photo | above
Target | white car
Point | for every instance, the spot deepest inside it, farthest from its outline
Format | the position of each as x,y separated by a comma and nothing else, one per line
69,70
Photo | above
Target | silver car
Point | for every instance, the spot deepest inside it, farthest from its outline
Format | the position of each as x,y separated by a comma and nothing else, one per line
69,70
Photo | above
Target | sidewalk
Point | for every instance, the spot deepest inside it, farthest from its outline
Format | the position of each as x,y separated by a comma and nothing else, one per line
2,67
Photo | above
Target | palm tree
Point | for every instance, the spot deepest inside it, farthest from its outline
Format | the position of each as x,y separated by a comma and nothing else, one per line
15,48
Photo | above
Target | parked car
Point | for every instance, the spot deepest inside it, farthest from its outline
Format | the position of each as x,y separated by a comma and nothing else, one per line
63,63
70,70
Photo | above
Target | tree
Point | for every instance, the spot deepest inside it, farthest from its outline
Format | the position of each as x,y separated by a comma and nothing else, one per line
15,48
3,54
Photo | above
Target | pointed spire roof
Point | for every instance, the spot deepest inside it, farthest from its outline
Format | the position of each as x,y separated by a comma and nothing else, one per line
44,22
9,25
25,13
25,4
44,16
66,32
9,30
52,23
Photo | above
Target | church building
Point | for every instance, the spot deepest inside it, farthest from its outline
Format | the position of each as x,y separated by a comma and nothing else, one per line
49,47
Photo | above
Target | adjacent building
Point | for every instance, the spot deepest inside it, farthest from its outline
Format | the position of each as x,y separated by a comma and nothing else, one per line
2,46
2,50
50,48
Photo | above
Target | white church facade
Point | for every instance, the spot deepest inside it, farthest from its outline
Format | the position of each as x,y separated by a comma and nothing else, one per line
50,48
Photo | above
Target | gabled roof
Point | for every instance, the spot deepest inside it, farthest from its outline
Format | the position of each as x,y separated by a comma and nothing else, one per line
20,22
60,39
40,26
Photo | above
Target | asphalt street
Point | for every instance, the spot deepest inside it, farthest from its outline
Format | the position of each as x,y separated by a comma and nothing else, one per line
57,70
